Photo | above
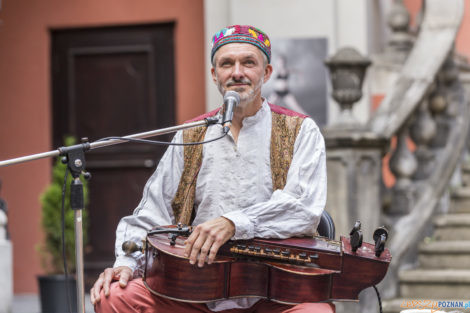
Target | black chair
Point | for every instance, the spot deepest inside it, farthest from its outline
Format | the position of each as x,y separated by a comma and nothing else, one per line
326,227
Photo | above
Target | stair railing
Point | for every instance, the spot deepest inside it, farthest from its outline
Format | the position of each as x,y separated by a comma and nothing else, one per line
426,107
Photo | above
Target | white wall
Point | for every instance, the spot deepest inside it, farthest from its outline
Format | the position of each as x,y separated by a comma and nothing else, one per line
355,23
6,268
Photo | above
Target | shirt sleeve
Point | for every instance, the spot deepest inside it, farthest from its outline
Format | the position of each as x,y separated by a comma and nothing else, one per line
296,209
154,209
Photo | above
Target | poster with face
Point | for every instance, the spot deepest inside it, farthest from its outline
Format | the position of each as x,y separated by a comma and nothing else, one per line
299,79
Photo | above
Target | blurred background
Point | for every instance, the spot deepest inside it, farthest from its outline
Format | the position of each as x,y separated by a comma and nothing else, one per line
116,67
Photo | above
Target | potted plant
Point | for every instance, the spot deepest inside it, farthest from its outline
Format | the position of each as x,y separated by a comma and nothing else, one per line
52,287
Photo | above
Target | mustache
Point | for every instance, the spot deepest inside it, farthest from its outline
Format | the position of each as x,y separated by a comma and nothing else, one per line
232,82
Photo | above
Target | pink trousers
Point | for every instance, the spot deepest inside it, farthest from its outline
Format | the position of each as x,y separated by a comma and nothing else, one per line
135,298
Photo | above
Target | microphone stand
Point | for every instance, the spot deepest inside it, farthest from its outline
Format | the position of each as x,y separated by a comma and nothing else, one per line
75,156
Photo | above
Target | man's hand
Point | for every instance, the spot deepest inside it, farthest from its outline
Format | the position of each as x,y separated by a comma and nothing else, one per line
121,273
207,238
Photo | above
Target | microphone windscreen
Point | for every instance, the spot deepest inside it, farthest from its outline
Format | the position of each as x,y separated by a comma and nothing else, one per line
232,94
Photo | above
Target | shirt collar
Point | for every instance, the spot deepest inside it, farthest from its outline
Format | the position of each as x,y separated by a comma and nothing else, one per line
262,112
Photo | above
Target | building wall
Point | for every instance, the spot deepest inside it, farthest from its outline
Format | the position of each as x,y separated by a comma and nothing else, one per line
25,95
462,44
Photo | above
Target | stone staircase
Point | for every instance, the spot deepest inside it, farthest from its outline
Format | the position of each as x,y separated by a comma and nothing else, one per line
444,261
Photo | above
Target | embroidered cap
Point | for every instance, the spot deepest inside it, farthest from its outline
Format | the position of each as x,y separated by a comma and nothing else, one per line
243,34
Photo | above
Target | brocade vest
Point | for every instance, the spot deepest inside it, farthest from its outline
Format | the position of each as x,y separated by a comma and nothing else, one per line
285,128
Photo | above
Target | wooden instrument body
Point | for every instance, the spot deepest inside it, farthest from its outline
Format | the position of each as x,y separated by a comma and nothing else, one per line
310,270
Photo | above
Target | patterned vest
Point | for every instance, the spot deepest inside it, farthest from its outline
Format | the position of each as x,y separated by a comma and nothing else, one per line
285,127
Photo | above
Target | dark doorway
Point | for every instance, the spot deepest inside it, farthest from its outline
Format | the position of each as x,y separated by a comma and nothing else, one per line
112,81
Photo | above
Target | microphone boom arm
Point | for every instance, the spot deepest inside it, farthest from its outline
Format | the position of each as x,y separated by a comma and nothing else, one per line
109,142
75,156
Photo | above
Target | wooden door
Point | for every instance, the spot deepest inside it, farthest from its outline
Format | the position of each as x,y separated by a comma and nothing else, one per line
112,81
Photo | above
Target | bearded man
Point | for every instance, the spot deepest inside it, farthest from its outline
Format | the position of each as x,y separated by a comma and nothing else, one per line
266,178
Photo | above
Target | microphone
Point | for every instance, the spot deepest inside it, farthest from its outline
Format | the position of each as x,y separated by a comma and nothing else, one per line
231,100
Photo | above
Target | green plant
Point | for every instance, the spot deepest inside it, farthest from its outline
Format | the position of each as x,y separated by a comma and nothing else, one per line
51,202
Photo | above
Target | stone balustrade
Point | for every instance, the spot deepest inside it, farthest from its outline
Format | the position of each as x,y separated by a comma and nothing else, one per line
425,111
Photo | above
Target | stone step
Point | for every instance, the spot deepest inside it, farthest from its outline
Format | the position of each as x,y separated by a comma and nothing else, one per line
444,255
399,304
452,227
435,284
465,170
460,200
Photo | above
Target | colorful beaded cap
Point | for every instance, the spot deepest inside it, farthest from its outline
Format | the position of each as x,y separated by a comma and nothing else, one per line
244,34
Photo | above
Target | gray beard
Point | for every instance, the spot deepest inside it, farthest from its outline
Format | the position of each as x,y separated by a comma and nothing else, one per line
245,97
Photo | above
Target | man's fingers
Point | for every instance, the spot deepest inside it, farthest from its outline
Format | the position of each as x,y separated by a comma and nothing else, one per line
196,248
200,243
124,278
204,251
213,252
123,273
108,277
190,241
94,296
95,290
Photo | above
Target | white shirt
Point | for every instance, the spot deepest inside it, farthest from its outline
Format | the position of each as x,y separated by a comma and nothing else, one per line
235,182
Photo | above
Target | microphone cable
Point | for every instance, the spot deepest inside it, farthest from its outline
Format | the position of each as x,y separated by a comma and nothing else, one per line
378,298
156,142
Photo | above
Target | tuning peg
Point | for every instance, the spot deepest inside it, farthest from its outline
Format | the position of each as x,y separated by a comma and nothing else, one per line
130,247
380,237
172,238
357,226
355,236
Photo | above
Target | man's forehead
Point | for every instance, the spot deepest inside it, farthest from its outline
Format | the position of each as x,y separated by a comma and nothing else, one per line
238,50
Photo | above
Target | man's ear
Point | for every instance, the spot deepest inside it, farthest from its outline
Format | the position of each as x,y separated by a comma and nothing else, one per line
214,77
268,70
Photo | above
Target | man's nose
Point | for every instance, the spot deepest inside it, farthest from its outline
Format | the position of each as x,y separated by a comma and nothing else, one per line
237,73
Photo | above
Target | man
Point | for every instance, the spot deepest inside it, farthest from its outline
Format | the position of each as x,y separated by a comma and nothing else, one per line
267,178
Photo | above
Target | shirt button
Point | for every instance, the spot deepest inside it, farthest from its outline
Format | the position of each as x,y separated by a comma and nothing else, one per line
245,236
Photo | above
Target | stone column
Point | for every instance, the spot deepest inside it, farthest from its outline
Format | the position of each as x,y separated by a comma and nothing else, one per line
354,166
354,161
353,153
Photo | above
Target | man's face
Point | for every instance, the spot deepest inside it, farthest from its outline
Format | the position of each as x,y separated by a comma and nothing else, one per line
240,67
